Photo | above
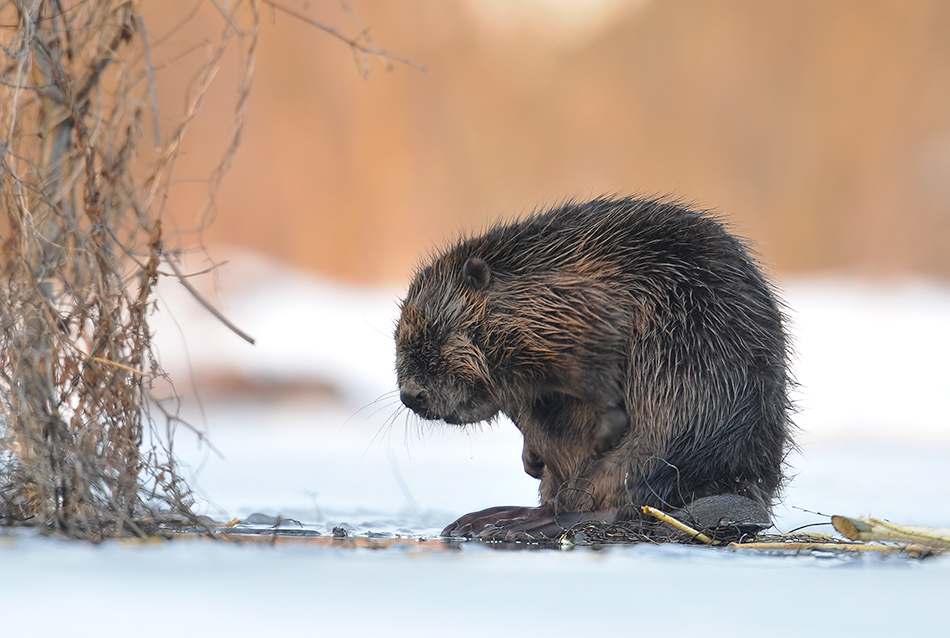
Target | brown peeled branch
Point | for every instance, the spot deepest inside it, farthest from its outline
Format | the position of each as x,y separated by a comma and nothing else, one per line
872,529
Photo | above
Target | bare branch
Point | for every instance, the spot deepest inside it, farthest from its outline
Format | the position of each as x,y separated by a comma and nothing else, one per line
361,45
183,280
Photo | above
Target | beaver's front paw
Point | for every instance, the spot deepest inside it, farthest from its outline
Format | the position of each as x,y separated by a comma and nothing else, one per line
533,465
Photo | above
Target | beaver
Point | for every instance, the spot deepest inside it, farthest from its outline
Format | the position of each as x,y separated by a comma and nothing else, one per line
637,345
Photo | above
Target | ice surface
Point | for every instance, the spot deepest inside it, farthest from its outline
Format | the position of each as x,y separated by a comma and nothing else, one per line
873,369
201,588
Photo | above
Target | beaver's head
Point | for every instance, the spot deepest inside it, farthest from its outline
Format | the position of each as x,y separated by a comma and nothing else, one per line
441,366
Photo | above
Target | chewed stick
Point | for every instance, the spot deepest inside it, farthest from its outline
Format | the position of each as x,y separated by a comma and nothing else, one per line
683,527
872,529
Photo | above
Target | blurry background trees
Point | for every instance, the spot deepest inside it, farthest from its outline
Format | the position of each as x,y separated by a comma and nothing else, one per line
820,127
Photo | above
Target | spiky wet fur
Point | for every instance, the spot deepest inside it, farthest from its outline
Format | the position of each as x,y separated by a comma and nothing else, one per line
640,306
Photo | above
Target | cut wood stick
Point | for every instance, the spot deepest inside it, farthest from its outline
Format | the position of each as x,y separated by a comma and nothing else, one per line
872,529
683,527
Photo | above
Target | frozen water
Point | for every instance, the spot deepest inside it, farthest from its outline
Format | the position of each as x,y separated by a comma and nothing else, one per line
202,588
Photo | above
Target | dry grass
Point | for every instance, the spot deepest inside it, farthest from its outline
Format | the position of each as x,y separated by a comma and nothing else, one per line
84,450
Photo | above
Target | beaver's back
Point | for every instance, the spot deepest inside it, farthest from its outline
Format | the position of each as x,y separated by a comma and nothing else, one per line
703,374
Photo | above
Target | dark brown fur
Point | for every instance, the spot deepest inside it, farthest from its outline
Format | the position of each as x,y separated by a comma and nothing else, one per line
635,344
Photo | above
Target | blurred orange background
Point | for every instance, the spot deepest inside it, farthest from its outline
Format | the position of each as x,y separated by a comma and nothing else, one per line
820,128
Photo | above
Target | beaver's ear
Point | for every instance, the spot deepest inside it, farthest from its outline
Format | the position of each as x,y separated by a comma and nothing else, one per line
476,273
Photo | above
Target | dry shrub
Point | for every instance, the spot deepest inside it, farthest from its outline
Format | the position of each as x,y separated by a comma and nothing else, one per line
83,448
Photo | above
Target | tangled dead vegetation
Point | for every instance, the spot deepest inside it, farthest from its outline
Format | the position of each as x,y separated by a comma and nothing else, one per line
84,448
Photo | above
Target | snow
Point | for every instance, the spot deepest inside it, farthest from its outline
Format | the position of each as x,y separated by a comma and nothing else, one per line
872,360
875,439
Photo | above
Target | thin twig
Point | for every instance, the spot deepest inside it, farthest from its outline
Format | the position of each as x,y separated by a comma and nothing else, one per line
361,43
183,280
150,70
240,114
121,366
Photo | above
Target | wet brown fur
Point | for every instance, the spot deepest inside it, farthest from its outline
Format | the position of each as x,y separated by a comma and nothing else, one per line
635,344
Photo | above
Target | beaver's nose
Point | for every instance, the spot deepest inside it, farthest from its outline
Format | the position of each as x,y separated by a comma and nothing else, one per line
413,396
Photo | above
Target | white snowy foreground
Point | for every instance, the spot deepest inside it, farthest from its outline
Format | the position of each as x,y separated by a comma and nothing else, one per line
872,361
